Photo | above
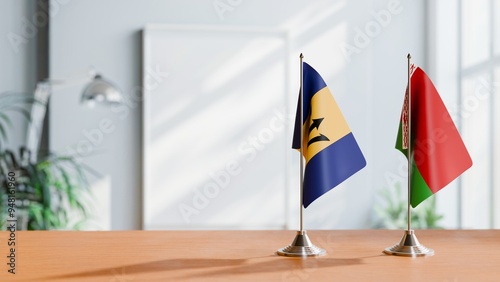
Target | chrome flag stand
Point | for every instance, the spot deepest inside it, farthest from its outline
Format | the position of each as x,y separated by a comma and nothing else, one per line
409,245
301,245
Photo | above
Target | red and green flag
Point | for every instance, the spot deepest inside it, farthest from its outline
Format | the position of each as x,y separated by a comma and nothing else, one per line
439,154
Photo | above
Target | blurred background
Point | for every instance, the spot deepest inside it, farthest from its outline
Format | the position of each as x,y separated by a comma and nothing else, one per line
202,136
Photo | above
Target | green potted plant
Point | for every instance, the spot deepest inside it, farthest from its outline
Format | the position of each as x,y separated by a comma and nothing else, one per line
392,212
49,193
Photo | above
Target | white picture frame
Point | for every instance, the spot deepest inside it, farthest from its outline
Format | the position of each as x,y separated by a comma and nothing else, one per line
216,127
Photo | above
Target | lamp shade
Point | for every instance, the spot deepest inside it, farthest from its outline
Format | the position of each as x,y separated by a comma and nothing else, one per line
102,91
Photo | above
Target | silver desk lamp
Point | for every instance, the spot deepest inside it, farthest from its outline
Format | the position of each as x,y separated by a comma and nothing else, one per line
97,90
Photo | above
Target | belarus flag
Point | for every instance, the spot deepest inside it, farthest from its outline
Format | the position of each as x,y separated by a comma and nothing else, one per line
439,154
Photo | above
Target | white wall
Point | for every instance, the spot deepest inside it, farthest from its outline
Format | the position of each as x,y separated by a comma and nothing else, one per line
368,86
17,57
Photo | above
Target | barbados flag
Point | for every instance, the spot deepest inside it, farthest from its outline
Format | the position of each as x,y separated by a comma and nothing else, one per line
331,153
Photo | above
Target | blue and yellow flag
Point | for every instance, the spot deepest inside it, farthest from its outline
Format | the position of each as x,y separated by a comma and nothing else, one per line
331,153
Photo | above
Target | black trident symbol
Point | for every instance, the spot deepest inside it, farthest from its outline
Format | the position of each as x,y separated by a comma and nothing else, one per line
315,124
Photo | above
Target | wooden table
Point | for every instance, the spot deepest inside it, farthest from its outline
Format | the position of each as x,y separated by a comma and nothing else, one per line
461,255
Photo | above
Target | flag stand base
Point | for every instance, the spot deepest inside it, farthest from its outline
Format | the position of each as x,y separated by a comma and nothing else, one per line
409,247
301,247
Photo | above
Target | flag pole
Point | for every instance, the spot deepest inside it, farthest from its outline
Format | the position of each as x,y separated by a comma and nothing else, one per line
409,246
301,206
301,245
409,142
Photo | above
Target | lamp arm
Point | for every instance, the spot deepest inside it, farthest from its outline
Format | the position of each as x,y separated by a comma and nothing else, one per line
39,109
35,126
98,88
72,81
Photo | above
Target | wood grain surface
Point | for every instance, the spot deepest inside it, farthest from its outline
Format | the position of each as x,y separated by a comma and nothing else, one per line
353,255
